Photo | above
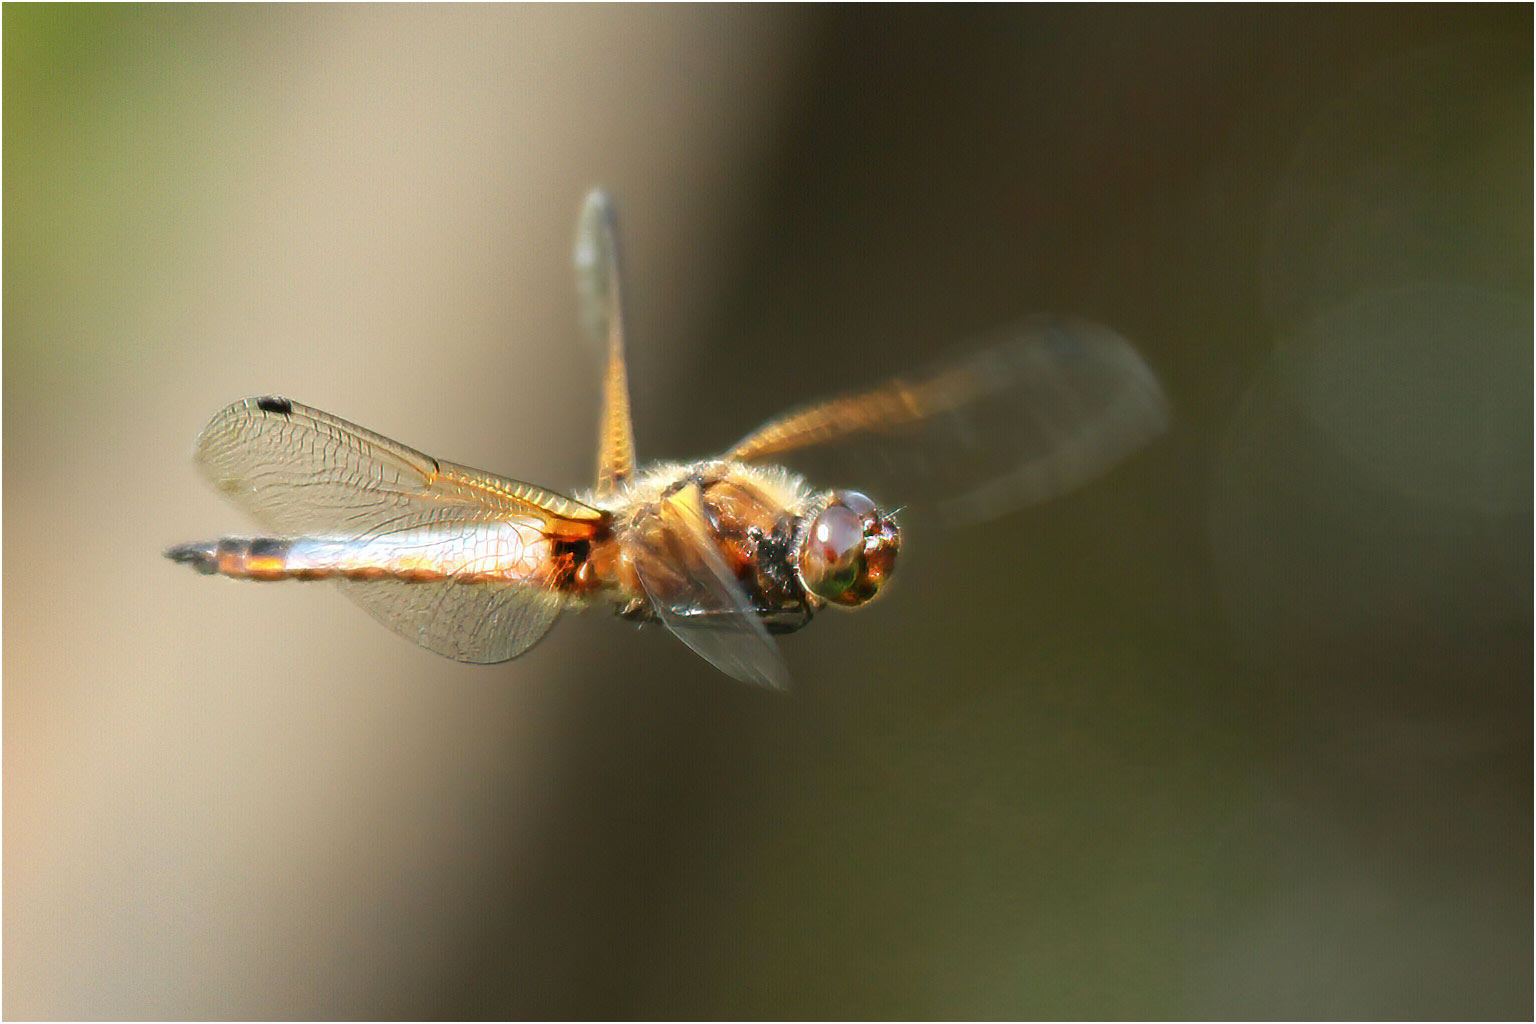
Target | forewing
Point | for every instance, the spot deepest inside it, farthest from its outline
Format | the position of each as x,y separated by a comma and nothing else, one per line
1040,409
601,310
300,471
692,591
477,622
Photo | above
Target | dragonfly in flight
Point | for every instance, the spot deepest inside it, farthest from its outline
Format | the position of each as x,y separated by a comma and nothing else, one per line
724,552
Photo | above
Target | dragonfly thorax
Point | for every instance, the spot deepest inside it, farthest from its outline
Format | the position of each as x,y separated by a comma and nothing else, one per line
789,548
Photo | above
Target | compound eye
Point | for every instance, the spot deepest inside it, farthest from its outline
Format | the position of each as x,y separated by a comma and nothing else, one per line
859,504
833,557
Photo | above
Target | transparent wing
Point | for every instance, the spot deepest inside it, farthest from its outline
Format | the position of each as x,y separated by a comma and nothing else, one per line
601,310
303,472
300,471
1041,409
693,592
482,623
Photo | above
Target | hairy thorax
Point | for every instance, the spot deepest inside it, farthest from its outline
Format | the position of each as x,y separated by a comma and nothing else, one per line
752,514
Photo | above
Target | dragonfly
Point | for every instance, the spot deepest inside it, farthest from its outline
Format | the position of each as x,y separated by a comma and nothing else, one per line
727,552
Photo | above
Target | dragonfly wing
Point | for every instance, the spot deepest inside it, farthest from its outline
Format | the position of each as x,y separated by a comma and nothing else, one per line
692,591
601,310
478,622
1041,409
301,471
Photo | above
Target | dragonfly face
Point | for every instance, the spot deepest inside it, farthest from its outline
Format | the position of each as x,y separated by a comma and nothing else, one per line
846,551
724,552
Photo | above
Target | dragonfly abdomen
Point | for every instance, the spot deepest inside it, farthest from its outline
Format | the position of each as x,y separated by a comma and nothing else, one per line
246,558
497,553
282,558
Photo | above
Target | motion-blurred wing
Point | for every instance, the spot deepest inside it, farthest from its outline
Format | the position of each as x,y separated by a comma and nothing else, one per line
601,310
1042,409
692,591
300,471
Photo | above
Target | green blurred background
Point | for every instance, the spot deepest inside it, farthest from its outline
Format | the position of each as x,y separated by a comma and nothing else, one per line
1241,730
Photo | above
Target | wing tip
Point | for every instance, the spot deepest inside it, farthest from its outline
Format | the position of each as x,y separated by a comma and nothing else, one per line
598,202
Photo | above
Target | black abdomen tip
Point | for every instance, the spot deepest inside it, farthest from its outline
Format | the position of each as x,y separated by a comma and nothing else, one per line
272,403
201,557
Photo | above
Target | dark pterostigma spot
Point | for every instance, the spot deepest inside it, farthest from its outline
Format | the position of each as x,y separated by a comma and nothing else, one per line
271,404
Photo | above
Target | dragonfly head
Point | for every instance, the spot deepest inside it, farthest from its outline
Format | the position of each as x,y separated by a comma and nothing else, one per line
847,549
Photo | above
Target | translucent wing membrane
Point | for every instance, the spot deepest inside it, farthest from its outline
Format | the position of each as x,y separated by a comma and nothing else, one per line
1041,409
302,472
678,562
481,623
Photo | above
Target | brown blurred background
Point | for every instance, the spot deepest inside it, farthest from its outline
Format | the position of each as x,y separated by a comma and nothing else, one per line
1242,730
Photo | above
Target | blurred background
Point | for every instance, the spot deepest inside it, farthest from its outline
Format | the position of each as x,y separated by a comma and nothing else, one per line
1243,729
